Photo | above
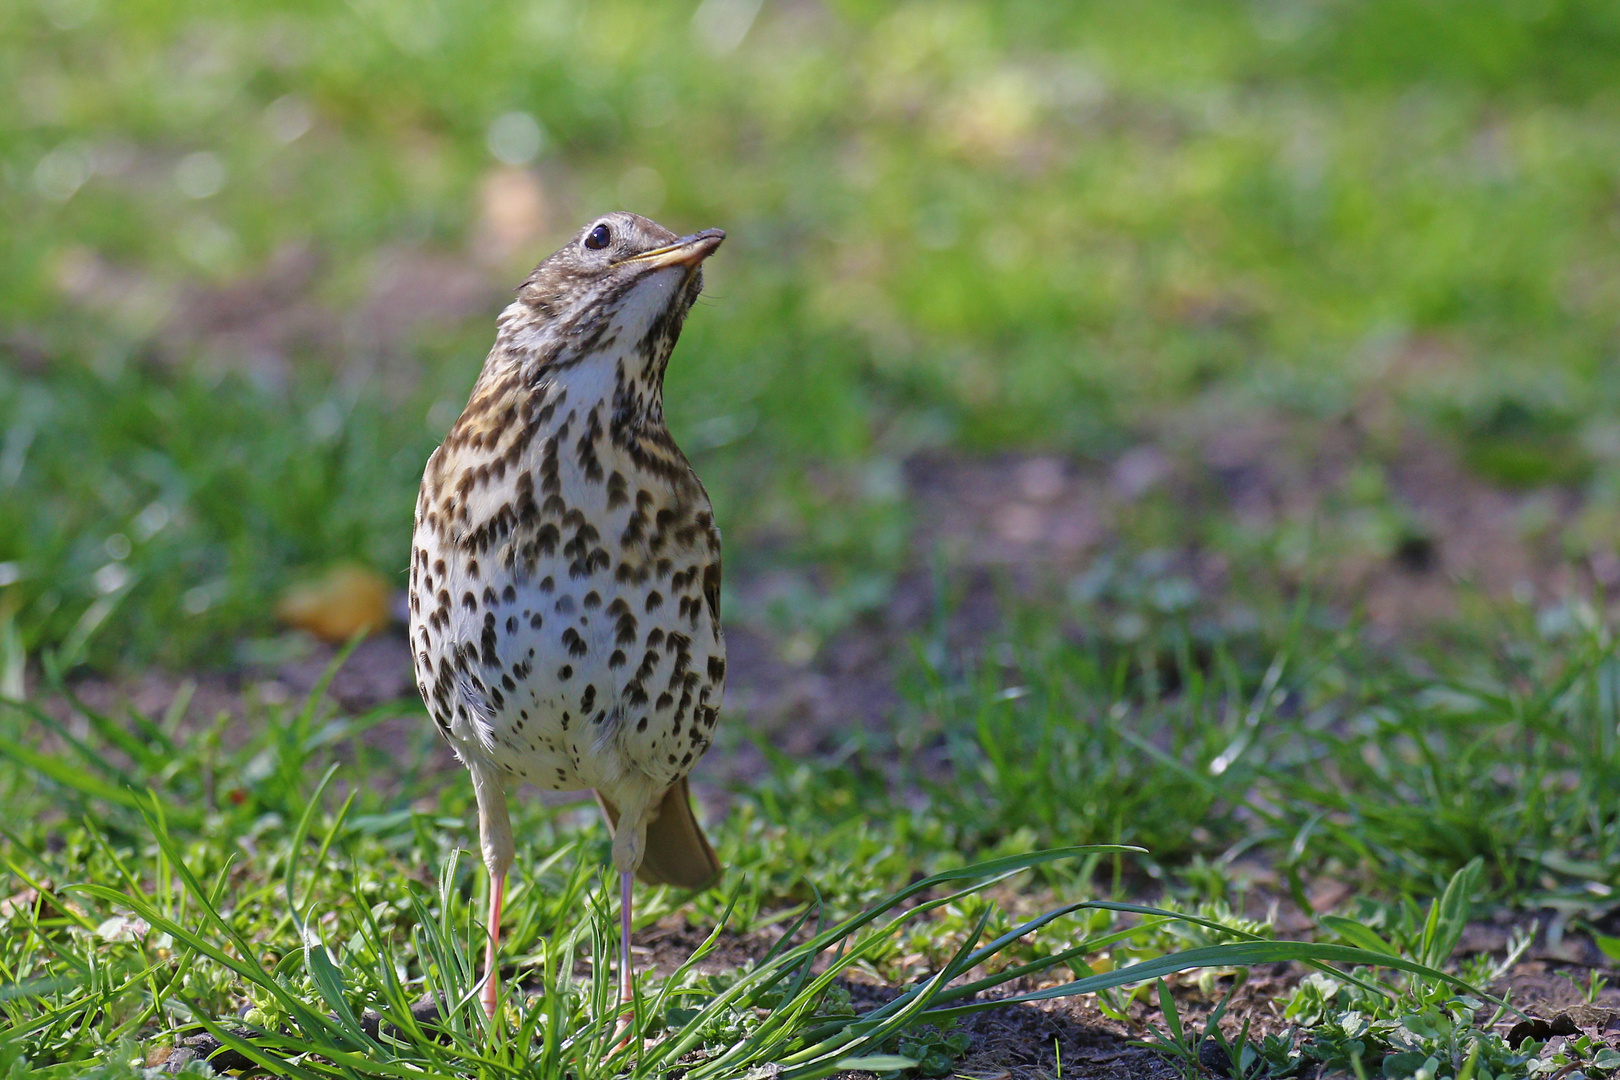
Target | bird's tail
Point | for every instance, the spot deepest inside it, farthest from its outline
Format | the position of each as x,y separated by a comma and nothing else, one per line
677,851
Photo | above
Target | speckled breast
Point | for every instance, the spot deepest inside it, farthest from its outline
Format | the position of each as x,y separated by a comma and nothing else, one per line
565,595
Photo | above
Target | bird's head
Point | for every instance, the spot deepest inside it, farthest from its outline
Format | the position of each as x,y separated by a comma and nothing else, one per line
620,288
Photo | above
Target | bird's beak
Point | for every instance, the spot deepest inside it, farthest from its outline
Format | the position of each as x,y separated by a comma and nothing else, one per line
688,251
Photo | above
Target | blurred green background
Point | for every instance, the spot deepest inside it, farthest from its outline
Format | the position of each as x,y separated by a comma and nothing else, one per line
250,255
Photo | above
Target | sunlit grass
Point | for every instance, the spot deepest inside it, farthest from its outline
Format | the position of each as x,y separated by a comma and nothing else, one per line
162,879
1293,742
278,918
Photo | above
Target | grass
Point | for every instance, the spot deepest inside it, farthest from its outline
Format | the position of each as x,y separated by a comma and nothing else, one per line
335,910
168,882
954,229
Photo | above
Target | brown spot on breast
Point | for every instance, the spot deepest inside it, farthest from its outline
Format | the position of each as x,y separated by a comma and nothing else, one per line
626,630
711,593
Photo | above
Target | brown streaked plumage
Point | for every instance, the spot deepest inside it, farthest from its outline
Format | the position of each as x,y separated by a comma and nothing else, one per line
565,570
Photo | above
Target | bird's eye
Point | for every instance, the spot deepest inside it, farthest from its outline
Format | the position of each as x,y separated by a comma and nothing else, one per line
599,238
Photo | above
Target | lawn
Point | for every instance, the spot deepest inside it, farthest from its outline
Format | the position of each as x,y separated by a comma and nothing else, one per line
1169,459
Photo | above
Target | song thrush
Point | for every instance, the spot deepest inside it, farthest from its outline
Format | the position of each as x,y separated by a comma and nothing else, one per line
565,571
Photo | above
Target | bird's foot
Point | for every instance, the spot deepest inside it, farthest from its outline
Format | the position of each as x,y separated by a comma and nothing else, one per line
625,1028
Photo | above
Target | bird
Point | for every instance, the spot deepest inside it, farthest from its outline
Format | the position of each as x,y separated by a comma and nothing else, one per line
565,566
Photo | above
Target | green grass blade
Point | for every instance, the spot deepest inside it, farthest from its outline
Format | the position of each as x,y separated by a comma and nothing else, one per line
70,777
1362,937
1448,916
1234,954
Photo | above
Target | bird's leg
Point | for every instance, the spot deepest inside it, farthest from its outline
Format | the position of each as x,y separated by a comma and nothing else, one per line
626,973
492,969
629,848
495,837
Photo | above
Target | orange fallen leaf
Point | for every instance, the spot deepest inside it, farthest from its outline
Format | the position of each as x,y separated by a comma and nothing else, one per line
334,607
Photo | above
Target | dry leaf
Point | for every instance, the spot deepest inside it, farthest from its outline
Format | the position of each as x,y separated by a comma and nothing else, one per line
336,606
